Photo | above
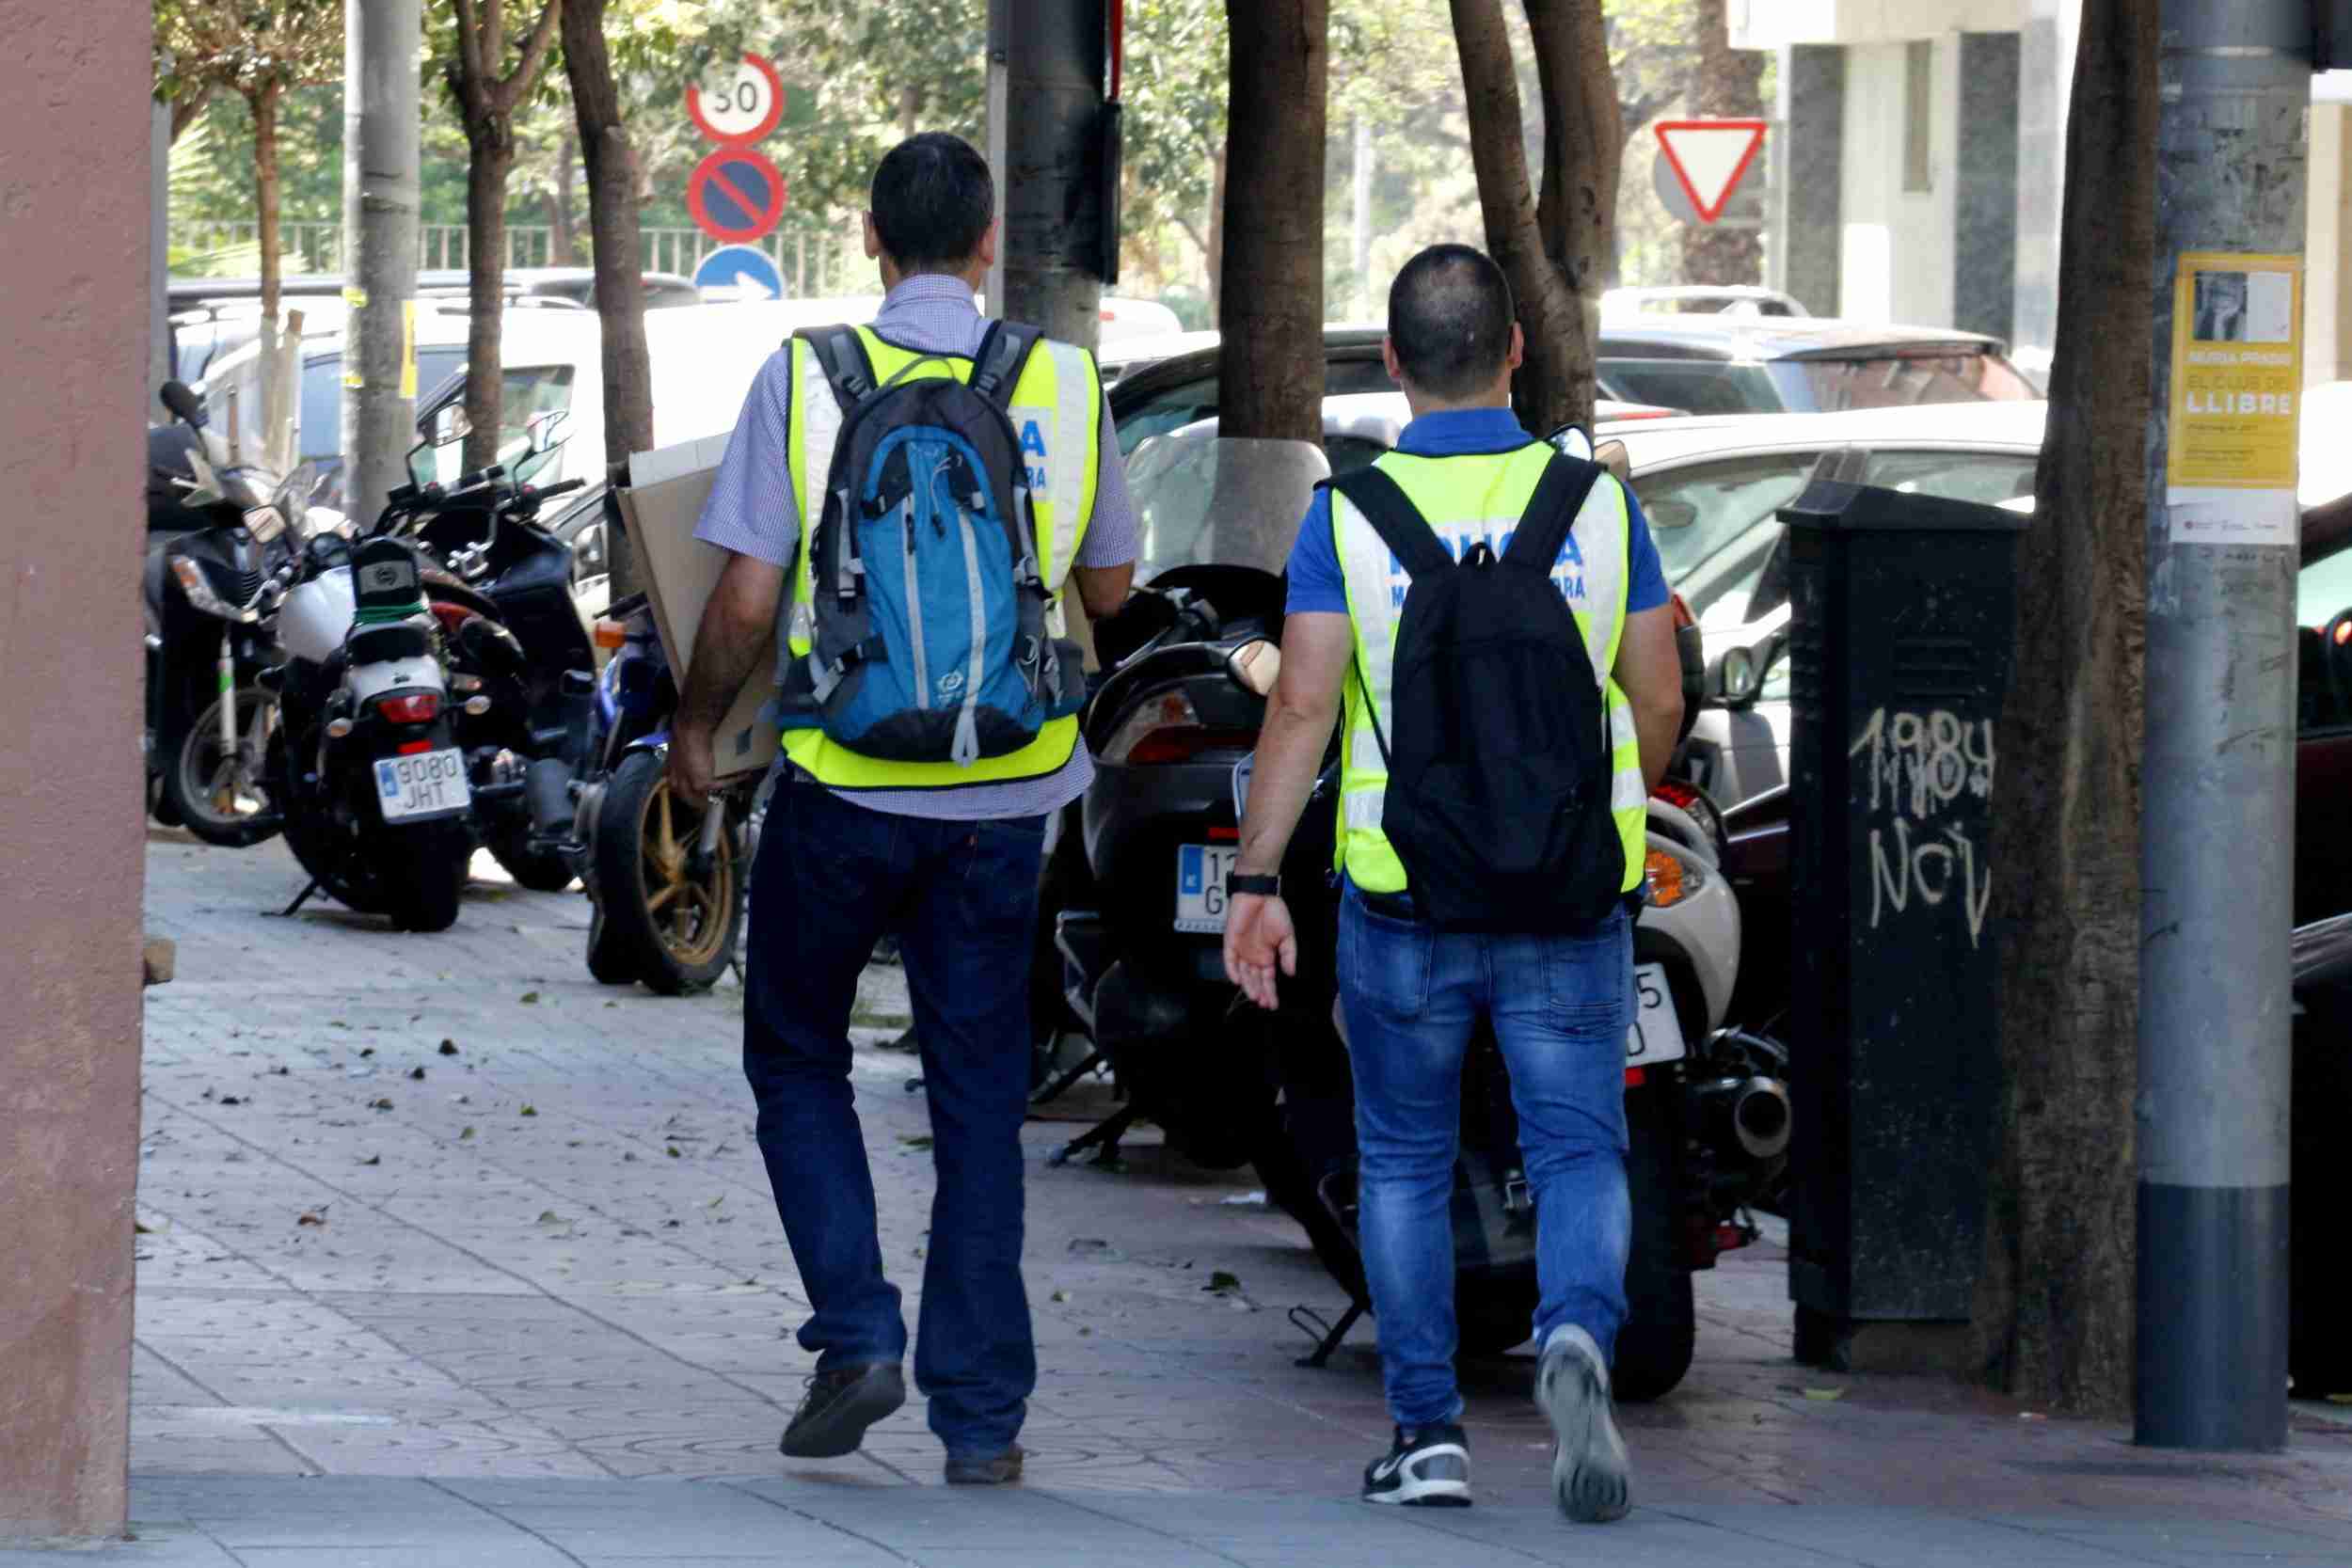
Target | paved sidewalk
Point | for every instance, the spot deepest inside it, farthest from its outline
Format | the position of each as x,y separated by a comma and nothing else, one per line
533,1306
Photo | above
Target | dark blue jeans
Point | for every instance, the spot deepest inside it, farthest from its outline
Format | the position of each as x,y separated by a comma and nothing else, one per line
830,879
1561,1006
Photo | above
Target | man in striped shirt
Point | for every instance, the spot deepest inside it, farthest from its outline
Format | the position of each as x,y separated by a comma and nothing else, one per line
953,871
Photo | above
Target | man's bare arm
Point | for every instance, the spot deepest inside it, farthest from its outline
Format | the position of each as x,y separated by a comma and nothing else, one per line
1103,589
1649,673
735,628
1305,704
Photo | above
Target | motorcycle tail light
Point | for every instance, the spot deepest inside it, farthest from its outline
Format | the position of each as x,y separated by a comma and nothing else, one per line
411,707
1166,729
610,634
1671,879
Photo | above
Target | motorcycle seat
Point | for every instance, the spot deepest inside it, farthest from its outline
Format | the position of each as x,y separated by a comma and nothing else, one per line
383,644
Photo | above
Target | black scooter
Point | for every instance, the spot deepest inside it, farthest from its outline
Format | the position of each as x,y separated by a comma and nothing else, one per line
218,537
499,584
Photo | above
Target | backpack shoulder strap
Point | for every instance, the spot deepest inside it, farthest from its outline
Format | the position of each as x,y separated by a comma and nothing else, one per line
1396,519
1551,512
841,355
1004,354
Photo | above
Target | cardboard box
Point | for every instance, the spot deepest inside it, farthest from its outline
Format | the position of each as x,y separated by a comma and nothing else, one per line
662,504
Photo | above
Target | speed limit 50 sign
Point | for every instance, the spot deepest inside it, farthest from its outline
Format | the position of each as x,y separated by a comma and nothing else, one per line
738,107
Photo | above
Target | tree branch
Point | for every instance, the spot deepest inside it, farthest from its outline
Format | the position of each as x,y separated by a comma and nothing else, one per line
526,72
470,62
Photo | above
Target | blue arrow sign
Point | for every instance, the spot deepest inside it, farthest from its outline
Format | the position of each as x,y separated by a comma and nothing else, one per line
743,269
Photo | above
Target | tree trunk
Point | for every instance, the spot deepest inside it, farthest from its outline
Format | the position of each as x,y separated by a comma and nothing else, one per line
188,106
491,135
2054,1311
1556,253
910,109
1214,249
562,219
613,225
1271,381
262,101
1729,86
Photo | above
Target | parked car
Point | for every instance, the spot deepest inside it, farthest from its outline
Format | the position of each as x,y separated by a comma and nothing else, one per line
703,357
1735,299
1701,364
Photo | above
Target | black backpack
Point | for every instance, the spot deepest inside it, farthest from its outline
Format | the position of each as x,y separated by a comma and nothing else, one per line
1500,768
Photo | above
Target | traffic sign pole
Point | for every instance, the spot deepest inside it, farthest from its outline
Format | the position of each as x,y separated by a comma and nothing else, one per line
2218,769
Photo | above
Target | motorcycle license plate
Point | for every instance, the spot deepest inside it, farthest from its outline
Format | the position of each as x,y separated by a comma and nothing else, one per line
1200,873
1657,1032
430,783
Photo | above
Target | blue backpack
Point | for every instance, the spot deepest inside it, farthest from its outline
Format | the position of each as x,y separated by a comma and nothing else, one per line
929,638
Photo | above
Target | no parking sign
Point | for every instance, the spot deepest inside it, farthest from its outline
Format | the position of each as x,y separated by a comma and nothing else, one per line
735,196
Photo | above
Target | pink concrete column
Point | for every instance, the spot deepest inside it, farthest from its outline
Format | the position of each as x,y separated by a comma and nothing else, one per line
75,78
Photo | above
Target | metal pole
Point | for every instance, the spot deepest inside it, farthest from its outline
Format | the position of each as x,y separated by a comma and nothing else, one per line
1054,99
2218,825
380,206
159,366
1364,222
999,107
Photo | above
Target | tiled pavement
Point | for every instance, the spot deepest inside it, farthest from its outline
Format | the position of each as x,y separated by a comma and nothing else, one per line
533,1306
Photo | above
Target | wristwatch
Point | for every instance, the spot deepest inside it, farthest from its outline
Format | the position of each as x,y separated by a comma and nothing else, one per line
1256,887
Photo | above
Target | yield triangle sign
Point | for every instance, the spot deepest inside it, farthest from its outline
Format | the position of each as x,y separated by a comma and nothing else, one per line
1709,157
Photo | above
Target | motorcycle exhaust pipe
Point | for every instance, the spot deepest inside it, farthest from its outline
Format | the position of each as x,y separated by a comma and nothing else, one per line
1760,1117
548,786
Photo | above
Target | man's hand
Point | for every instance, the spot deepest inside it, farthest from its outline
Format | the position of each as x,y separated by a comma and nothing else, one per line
692,762
1257,938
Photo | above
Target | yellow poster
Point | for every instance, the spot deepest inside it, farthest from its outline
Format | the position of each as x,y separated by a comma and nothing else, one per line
408,348
2237,384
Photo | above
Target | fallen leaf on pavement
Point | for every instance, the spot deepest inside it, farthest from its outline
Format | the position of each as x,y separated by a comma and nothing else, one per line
449,1048
529,999
528,1110
549,1216
138,1229
1061,1295
716,1201
916,1141
1825,1394
1220,1280
417,1073
672,1151
312,1217
231,1099
372,1160
380,1104
464,1135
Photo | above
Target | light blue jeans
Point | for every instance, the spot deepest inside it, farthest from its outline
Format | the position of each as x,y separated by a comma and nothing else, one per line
1561,1006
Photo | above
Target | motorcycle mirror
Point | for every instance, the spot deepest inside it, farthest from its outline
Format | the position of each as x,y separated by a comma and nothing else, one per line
183,402
1573,440
1254,666
543,428
1736,679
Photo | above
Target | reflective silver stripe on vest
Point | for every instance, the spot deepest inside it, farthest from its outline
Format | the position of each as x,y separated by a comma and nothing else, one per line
1066,458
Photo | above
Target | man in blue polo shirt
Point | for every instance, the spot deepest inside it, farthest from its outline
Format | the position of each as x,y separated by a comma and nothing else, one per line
1560,1001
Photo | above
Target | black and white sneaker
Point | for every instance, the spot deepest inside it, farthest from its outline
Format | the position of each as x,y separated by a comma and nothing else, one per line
1591,1473
1429,1468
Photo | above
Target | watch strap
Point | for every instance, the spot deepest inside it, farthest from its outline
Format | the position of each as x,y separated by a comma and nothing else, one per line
1256,887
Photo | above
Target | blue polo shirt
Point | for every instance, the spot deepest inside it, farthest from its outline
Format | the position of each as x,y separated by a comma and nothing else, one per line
1316,585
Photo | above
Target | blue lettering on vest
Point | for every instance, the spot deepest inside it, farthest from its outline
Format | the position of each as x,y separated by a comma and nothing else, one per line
1032,439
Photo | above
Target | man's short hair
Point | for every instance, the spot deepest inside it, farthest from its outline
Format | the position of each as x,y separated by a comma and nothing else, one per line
1450,315
932,200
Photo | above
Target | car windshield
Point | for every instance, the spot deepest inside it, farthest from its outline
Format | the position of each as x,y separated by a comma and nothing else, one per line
1902,381
1694,385
530,390
1201,499
1187,402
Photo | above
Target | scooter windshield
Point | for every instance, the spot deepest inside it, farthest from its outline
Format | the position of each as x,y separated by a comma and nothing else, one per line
1205,499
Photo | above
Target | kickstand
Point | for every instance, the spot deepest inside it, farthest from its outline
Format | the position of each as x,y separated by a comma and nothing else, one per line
1327,1336
1104,1136
300,898
1061,1086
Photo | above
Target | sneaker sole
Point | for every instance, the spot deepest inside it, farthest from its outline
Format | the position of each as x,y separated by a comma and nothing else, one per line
1588,1478
843,1428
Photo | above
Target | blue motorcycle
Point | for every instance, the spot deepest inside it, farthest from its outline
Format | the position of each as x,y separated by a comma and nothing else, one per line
666,875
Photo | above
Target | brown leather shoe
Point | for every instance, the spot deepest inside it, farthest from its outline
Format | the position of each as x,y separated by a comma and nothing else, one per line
994,1469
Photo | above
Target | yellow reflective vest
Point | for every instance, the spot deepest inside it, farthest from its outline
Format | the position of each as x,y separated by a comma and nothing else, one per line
1468,500
1057,413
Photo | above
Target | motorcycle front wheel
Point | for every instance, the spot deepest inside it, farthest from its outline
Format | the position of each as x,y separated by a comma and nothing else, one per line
217,794
675,928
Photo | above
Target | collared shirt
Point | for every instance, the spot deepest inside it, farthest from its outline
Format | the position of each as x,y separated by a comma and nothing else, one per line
1316,585
755,510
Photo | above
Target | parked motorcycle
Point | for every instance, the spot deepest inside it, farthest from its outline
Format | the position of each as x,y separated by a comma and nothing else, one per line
667,875
499,585
1134,889
219,534
364,763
